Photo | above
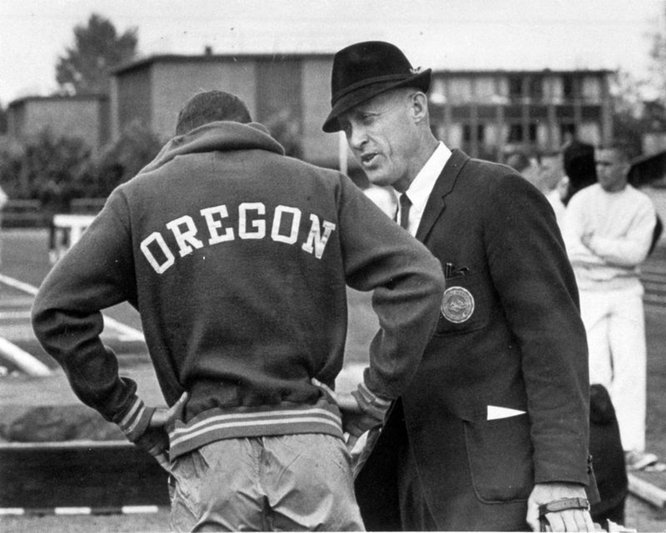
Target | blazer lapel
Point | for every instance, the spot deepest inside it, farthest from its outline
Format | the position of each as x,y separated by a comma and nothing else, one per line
444,185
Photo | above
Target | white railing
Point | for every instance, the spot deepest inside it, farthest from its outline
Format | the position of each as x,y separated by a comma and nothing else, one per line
67,231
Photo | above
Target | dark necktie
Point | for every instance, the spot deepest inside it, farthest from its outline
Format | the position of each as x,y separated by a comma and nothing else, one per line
405,205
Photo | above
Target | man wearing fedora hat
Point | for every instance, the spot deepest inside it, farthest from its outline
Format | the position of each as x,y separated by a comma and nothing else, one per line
492,433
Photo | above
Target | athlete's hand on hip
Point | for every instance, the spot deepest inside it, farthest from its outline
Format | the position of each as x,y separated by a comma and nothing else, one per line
155,440
163,417
355,421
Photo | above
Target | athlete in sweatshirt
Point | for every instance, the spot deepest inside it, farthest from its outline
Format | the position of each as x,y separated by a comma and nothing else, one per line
237,259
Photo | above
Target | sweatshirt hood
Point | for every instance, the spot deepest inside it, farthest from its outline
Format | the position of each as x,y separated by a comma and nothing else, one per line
216,136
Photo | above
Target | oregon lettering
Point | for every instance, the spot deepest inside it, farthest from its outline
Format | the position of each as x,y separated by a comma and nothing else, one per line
282,225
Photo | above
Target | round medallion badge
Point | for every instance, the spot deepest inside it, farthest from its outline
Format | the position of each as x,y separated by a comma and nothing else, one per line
457,304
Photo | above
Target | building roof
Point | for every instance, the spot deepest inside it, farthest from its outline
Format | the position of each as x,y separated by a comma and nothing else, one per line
545,72
57,98
213,58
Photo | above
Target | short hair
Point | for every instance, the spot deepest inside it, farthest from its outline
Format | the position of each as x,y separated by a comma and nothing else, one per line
579,166
623,149
210,106
519,161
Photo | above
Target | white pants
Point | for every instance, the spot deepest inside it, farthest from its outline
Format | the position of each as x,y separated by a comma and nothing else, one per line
615,326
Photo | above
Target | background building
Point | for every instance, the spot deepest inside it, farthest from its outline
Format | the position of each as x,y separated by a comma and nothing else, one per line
486,113
490,113
82,116
288,93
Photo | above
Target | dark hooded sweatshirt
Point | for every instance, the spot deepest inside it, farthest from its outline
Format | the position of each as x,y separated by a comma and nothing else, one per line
237,259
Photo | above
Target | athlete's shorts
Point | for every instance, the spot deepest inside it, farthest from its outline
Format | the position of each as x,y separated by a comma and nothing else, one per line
282,483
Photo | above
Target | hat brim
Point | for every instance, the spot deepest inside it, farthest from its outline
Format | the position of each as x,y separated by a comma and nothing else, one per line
362,94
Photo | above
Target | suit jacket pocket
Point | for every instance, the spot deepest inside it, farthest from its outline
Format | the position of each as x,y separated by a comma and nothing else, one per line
500,458
465,305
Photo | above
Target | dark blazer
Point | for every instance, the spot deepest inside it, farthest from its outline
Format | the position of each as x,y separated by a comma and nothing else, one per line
509,336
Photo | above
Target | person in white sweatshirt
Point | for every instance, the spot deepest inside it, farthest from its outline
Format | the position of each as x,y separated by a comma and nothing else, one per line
608,229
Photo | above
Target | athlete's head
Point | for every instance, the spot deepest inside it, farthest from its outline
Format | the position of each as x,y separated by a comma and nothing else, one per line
211,106
613,164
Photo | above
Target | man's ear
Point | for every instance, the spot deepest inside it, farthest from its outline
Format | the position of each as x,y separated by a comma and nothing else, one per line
419,106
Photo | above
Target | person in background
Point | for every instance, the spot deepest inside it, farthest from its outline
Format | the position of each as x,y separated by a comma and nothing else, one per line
492,432
237,259
555,182
608,458
579,167
544,171
528,167
608,232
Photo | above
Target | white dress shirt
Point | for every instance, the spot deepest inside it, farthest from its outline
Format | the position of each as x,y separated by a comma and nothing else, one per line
420,189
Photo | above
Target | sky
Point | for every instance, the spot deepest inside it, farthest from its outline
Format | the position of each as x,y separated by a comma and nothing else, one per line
453,34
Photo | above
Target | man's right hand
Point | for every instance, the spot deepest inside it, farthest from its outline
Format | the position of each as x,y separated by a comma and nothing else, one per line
355,419
155,440
569,519
355,422
163,417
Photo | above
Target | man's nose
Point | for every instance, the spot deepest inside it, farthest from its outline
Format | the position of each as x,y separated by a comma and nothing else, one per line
357,138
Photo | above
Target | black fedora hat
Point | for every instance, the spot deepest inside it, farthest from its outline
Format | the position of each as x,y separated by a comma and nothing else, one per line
364,70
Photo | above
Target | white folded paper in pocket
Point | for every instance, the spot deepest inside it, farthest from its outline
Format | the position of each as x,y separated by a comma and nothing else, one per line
495,412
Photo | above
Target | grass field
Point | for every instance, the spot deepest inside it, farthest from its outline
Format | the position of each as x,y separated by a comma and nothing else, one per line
24,257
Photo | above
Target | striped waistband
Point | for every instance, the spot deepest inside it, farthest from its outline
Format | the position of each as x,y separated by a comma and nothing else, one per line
218,424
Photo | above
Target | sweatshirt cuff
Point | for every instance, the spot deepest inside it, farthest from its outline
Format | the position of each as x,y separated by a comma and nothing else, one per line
370,403
136,420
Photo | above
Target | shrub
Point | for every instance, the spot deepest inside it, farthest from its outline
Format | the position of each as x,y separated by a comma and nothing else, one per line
11,154
48,166
118,162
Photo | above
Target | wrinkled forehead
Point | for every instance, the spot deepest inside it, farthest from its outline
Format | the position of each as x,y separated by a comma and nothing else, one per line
377,104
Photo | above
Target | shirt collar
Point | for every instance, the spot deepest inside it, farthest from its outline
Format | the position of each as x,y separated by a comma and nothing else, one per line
424,182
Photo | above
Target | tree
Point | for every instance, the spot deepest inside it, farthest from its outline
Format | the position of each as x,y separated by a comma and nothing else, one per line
629,124
44,166
86,66
286,130
3,120
658,55
11,155
119,161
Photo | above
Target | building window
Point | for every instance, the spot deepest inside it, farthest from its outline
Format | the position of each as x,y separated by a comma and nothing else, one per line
515,87
468,131
437,93
567,131
591,89
518,134
568,91
515,133
535,88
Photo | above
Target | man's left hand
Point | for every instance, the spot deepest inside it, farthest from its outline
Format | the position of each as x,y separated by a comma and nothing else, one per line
566,520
